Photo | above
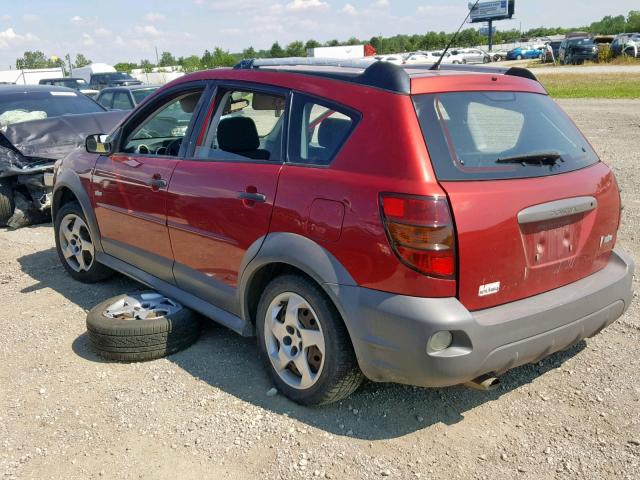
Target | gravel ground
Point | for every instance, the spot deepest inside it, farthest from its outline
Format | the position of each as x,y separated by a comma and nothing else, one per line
205,412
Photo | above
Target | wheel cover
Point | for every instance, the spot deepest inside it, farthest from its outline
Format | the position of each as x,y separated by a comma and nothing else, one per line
75,243
294,340
143,306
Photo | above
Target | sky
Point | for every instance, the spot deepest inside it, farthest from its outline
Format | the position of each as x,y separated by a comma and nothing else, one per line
130,30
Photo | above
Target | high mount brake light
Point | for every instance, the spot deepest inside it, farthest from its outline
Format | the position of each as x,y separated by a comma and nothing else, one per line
421,233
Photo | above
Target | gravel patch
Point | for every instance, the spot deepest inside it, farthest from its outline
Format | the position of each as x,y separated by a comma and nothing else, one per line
210,411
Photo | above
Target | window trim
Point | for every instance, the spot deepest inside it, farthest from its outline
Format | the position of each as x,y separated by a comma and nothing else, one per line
220,86
149,108
304,98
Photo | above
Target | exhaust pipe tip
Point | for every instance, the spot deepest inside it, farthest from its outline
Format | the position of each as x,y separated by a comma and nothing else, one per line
484,382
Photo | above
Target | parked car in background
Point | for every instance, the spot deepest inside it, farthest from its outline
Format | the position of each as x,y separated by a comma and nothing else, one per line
522,53
499,55
78,84
552,52
481,237
40,124
124,98
626,44
421,58
395,59
451,57
577,50
474,55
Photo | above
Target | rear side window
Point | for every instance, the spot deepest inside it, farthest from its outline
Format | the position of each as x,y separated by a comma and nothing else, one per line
106,99
121,101
496,135
318,130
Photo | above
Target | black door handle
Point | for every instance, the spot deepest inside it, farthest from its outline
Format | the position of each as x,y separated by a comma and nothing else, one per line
252,197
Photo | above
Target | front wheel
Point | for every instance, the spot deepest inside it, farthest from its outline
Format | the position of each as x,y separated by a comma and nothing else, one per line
6,202
519,57
76,245
305,343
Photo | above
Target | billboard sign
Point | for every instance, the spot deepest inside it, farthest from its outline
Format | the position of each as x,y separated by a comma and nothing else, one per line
493,10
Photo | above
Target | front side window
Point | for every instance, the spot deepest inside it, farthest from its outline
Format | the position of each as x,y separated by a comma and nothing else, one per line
494,135
106,99
121,101
318,130
247,125
162,132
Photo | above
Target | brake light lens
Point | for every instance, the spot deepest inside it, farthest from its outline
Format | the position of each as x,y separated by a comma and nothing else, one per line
421,233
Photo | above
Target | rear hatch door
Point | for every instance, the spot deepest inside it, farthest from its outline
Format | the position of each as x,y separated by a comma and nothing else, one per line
534,208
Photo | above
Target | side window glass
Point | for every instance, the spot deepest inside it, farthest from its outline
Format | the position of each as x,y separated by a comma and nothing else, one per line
318,131
162,132
106,99
121,101
246,125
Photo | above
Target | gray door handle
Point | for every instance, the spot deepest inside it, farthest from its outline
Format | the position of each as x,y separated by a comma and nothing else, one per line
157,183
252,197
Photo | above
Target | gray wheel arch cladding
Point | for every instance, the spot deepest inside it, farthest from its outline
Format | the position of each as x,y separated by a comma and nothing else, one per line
298,252
68,179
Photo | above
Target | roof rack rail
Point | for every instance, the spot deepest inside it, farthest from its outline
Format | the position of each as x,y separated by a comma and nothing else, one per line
371,72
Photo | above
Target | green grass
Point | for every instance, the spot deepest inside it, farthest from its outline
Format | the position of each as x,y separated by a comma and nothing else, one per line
592,86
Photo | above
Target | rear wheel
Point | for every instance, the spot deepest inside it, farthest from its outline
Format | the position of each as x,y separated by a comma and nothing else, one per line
76,245
305,343
519,57
6,202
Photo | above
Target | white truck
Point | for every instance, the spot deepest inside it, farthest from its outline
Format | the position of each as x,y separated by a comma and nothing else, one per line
101,75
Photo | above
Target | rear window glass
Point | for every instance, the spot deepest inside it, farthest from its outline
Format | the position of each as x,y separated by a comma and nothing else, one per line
496,135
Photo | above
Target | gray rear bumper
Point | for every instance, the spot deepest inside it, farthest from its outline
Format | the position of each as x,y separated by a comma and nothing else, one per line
390,332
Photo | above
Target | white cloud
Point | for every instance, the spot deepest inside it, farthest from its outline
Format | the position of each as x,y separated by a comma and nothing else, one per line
148,30
349,9
9,37
382,3
102,32
297,5
153,17
30,17
87,40
76,19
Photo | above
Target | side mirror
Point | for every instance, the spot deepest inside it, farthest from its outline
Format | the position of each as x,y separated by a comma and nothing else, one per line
98,143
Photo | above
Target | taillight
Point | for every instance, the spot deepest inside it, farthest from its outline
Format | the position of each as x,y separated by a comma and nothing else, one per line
421,232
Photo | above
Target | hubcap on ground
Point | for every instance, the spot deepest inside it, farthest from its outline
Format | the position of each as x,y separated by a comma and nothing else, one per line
143,306
75,243
294,340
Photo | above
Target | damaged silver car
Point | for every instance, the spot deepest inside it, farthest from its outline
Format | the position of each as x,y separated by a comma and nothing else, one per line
38,125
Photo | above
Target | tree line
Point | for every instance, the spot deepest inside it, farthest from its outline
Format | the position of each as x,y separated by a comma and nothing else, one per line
469,37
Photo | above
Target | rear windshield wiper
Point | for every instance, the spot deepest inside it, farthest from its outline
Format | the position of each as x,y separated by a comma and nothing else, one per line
538,158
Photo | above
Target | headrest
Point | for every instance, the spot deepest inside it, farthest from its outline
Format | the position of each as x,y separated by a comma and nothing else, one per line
263,101
333,131
238,134
188,103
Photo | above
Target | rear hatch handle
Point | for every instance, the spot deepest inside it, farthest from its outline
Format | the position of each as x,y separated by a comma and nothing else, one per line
557,209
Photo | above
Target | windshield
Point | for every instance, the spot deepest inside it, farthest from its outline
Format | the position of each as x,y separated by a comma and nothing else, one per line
23,107
470,134
142,93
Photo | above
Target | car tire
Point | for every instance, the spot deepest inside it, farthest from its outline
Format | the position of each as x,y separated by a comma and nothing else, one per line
75,245
305,344
140,327
519,57
464,61
6,202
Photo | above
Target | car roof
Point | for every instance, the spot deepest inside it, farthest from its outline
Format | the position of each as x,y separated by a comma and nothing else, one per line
406,79
33,89
128,88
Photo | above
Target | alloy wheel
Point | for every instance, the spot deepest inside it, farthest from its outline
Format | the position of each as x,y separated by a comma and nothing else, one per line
75,243
143,306
294,340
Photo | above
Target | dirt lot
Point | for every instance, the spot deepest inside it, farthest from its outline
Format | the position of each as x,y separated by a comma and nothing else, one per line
205,412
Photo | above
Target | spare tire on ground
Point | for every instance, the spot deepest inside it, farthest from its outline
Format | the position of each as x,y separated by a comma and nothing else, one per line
141,326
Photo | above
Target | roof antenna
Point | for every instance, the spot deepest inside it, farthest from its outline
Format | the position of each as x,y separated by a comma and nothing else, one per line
436,65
